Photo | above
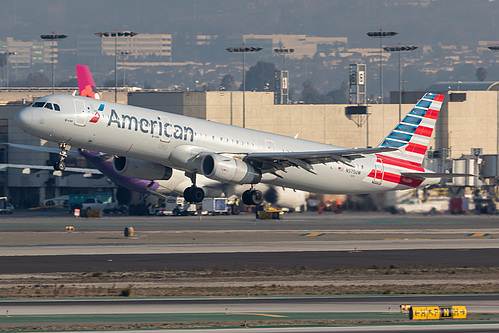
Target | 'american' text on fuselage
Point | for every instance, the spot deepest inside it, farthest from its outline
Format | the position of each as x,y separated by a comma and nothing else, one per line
151,126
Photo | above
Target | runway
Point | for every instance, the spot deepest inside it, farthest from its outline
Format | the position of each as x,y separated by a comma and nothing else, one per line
39,243
245,260
28,244
326,310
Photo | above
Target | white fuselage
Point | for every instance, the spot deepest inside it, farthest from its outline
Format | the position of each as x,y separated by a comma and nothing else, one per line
175,141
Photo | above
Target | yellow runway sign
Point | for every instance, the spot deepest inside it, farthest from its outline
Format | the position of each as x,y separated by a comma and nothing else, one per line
437,312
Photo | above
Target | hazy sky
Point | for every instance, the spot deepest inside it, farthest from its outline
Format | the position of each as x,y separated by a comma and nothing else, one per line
418,22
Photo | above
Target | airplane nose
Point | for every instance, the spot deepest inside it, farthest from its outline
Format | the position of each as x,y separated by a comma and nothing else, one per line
24,118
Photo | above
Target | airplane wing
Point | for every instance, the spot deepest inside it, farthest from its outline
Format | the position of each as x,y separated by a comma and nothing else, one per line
46,167
272,161
4,166
44,149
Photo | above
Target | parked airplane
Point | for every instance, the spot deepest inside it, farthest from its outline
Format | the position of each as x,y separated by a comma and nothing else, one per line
151,144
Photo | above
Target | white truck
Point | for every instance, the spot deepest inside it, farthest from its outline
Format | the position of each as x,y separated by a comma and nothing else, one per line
215,206
176,206
413,201
97,204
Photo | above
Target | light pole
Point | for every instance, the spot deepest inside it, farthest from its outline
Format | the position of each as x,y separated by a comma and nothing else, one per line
7,54
381,34
243,50
124,54
116,34
53,37
399,49
284,51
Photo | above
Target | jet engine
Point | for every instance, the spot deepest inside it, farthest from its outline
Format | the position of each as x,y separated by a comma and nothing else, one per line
288,198
227,169
135,168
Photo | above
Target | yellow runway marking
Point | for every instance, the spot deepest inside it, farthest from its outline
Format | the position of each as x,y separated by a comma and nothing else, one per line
258,314
314,234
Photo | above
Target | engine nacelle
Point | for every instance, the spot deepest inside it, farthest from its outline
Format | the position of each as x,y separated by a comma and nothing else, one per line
228,169
135,168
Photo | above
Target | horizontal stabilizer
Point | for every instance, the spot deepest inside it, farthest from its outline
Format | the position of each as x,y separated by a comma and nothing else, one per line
425,175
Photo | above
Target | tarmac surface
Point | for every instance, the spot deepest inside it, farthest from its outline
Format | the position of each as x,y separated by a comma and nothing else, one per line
37,242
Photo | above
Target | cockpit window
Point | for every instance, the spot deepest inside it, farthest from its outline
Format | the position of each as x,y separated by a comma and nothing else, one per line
46,105
38,104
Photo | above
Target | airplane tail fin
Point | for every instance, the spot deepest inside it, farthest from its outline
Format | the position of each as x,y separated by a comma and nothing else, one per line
412,135
86,83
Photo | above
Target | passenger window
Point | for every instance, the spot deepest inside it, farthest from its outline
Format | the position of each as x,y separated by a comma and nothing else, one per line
49,106
56,107
38,104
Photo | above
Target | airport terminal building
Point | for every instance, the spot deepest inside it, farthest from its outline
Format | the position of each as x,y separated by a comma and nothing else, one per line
468,119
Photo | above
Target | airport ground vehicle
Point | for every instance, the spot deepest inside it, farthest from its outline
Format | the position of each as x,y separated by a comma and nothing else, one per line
57,202
422,205
215,206
5,206
106,207
176,206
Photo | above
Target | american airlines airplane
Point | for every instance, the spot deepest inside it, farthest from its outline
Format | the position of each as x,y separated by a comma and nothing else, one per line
151,144
177,182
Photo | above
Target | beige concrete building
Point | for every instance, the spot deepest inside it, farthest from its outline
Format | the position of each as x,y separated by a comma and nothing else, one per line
140,46
303,45
472,123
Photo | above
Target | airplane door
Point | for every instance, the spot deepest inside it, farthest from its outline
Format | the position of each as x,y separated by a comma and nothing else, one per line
379,172
80,113
167,130
270,145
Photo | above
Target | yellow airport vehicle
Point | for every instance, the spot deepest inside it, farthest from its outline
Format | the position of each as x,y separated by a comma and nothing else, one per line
270,213
93,213
405,308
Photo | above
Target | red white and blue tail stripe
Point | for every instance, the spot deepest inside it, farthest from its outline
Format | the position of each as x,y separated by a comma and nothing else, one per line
412,135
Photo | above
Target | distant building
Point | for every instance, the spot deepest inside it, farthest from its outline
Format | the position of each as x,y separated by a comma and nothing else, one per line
28,54
142,45
304,46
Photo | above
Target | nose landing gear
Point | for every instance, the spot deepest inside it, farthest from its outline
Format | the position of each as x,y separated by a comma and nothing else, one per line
61,165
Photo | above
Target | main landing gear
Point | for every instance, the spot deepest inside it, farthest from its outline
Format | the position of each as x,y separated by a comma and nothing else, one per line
61,165
193,194
252,197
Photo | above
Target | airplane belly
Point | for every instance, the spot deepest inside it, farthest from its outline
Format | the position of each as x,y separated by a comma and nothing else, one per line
332,178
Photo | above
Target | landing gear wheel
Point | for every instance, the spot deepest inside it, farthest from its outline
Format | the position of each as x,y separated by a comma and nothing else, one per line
256,197
187,194
194,194
252,197
197,194
59,166
246,198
